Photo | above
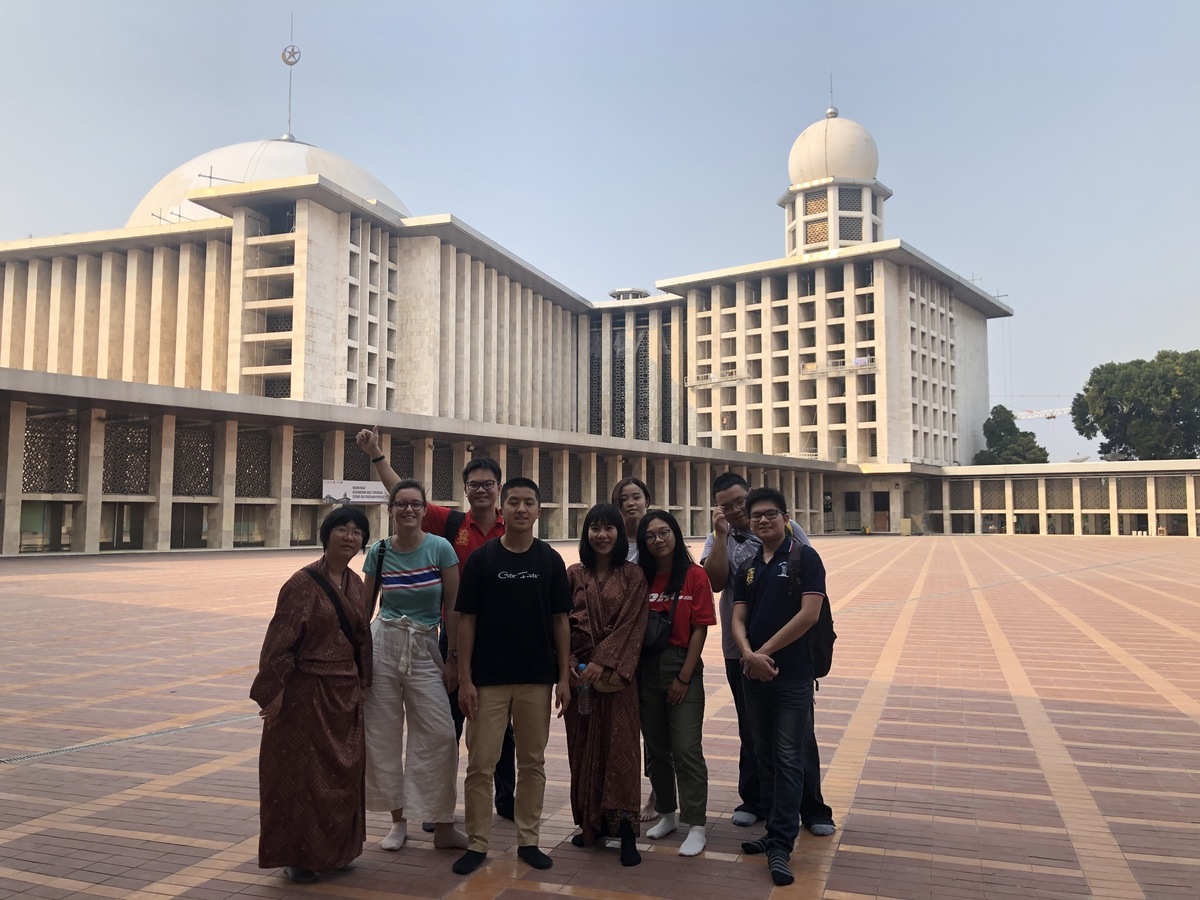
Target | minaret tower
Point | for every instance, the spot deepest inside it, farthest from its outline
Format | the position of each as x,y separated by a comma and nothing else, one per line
834,199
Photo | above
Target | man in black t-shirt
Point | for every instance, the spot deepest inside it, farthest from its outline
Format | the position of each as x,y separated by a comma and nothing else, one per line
770,620
514,646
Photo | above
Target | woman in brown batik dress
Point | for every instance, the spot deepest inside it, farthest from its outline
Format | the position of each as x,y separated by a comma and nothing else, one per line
608,623
314,668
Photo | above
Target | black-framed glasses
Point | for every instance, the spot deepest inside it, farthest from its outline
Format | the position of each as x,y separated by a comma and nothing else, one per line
659,537
769,514
408,504
481,485
740,503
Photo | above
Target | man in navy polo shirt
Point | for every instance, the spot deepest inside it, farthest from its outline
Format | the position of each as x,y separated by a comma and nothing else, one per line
770,619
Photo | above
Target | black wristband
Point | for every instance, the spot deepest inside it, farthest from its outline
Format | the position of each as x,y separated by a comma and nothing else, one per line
681,681
380,458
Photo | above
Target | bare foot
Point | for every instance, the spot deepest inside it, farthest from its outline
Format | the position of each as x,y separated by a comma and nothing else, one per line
649,813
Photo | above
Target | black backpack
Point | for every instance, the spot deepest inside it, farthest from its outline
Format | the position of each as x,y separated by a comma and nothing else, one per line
821,636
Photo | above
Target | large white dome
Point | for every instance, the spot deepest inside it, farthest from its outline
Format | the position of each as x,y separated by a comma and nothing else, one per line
833,148
254,161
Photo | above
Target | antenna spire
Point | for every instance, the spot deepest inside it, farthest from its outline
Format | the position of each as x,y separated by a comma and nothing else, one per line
291,56
832,112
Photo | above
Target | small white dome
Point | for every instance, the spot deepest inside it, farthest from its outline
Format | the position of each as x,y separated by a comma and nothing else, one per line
254,161
833,148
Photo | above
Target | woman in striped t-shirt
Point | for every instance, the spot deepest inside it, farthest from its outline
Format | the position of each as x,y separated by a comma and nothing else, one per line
419,577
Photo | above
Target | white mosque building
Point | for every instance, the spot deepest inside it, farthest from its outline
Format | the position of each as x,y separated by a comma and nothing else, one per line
190,379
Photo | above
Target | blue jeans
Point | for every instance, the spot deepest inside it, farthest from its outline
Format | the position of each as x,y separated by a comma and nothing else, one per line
781,721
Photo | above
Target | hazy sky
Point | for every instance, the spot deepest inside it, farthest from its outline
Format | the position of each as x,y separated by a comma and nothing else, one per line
1047,147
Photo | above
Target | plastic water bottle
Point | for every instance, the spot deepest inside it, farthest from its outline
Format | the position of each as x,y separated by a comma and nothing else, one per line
585,695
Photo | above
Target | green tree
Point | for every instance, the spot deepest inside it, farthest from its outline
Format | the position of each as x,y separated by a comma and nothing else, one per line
1144,408
1007,445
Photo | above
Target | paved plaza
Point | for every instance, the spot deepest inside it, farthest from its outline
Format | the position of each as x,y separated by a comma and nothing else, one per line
1007,717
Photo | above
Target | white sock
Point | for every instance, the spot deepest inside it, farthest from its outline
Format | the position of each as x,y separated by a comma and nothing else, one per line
664,826
693,844
396,837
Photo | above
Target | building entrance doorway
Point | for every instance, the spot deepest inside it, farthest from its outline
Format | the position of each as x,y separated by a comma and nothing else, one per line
881,505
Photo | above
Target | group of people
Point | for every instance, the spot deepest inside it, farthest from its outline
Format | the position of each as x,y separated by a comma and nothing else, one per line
480,622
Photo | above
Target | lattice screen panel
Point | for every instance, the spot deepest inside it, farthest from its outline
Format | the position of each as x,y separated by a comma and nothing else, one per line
850,228
1093,493
665,385
850,199
402,458
641,403
1059,494
512,463
595,376
618,376
816,202
51,453
933,494
574,478
991,494
444,487
1170,491
308,465
816,231
652,485
1025,493
546,476
253,462
355,465
962,495
127,458
1131,493
195,446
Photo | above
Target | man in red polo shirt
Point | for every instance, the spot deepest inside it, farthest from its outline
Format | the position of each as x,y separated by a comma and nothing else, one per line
466,532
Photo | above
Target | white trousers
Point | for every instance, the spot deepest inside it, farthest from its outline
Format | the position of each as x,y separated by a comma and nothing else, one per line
407,687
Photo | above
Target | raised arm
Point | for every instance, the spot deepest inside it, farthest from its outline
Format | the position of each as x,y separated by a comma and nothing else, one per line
368,442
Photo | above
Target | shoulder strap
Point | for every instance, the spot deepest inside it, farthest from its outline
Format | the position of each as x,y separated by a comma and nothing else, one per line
341,614
381,551
454,522
490,549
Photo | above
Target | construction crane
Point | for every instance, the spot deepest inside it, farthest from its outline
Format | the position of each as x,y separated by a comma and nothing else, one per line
1043,413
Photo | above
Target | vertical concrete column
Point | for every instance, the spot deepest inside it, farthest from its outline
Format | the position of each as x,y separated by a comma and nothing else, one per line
12,315
37,315
706,474
135,341
1189,490
757,477
531,469
504,341
819,524
1114,515
420,278
85,342
587,477
1010,525
681,471
560,517
279,517
641,469
461,456
582,419
164,316
423,460
662,479
529,351
62,315
333,463
377,515
189,322
631,377
111,322
448,353
12,430
1043,519
1076,505
654,355
221,513
491,359
162,479
85,534
977,503
214,319
479,350
1151,506
461,345
516,353
537,360
606,374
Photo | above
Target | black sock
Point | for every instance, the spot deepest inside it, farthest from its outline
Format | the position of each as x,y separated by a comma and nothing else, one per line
468,862
577,840
535,857
777,862
754,848
629,851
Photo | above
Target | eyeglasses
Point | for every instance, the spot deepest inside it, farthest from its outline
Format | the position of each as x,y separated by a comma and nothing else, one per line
659,537
732,507
408,504
347,531
480,485
769,514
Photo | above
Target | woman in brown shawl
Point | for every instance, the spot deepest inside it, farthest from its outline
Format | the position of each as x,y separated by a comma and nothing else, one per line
608,623
314,667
